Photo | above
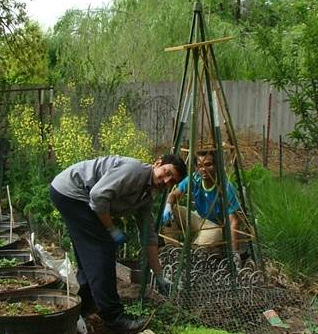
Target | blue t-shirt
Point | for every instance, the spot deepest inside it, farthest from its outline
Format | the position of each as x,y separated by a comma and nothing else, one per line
204,199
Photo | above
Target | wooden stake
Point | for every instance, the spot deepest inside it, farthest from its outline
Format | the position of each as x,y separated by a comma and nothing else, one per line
67,281
11,214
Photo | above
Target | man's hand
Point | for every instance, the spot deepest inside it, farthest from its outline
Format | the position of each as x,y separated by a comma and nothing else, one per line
167,215
164,286
118,236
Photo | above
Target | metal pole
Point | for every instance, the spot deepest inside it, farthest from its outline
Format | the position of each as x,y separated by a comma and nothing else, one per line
264,146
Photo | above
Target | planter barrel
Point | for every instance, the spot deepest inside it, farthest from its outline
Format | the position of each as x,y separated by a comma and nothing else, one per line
24,257
62,322
49,278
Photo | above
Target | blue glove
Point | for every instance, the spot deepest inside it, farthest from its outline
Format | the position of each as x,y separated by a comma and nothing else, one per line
167,215
118,236
164,286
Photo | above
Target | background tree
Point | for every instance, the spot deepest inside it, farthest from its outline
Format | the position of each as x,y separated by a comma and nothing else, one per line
290,48
127,41
23,50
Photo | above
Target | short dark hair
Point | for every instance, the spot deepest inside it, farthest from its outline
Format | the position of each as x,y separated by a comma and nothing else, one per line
203,153
177,162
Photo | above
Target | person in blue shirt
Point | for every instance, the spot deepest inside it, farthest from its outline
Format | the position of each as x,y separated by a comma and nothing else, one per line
207,221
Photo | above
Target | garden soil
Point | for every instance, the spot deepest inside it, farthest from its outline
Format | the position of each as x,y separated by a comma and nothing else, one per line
293,159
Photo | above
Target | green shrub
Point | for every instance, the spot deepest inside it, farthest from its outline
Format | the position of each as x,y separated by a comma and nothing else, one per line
119,135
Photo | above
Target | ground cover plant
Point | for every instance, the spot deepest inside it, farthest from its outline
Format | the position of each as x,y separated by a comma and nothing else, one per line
287,213
168,319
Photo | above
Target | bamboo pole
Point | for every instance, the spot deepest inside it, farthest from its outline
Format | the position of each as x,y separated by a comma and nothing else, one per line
198,44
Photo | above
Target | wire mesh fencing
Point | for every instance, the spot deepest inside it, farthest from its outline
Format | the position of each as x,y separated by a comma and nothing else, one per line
251,302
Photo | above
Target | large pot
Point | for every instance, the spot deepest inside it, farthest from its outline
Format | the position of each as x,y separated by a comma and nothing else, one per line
62,322
46,278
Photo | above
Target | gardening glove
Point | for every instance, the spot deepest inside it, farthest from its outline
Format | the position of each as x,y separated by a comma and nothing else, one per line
167,216
164,286
118,236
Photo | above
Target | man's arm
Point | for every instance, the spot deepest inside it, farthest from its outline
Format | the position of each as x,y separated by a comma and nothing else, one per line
153,259
174,196
106,220
117,235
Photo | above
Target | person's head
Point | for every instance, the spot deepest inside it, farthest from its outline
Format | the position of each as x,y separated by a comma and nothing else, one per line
168,170
205,164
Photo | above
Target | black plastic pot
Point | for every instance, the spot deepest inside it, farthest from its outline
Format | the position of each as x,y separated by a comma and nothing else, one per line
24,257
63,322
51,278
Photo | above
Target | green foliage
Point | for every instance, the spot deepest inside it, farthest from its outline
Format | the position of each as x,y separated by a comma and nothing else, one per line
287,216
40,309
12,15
131,37
71,141
257,175
29,172
24,56
168,319
119,135
199,330
5,263
290,49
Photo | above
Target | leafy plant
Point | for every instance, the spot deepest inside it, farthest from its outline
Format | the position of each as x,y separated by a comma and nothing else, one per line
290,47
42,309
8,263
119,135
72,141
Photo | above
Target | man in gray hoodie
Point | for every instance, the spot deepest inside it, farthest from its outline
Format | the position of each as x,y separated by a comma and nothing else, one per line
89,195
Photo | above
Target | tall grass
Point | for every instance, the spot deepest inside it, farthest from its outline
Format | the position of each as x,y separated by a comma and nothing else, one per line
287,213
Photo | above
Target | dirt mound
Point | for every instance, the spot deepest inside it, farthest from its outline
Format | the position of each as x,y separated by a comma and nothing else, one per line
293,159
